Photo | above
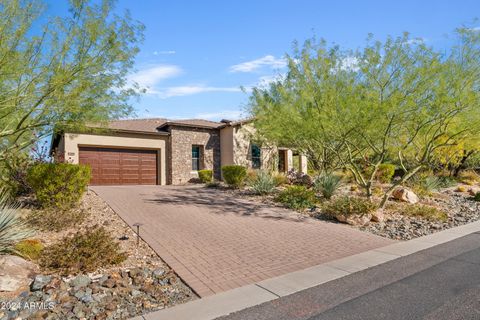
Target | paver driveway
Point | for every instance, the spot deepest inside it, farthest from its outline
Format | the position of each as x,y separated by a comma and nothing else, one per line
215,242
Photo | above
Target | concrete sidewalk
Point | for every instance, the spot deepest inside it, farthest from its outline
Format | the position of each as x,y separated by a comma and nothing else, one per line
263,291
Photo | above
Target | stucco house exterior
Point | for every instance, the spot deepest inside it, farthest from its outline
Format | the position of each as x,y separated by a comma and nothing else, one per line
161,151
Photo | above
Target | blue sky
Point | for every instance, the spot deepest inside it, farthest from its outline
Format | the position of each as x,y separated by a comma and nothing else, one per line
197,54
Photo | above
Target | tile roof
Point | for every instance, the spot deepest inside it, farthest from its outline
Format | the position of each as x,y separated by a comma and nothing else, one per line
153,124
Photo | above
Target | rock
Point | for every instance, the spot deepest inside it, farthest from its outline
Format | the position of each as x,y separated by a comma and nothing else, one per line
158,273
359,220
15,273
405,195
378,216
80,281
109,283
40,282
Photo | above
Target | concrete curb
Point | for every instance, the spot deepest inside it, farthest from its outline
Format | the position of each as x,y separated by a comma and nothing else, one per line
248,296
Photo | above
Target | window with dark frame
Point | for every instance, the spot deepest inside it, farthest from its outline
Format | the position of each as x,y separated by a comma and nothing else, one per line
256,157
195,158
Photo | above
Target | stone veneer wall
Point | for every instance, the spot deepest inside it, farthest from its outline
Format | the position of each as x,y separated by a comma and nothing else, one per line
180,156
243,136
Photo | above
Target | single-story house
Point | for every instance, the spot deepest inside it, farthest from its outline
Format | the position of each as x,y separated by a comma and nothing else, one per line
160,151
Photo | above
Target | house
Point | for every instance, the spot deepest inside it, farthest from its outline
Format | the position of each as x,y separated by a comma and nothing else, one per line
160,151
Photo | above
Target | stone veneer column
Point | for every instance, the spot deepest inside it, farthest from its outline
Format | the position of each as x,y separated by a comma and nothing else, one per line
289,160
303,164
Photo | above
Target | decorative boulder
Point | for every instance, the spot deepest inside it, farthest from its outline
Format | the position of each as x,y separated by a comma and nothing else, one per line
378,216
355,220
16,273
405,195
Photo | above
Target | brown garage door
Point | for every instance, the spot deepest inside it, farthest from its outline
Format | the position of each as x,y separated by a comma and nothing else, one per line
112,166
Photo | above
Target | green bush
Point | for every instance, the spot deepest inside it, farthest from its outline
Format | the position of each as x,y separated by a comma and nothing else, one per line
476,197
234,175
56,220
280,178
297,197
327,184
469,177
385,172
263,183
205,176
58,185
83,252
348,206
425,212
30,248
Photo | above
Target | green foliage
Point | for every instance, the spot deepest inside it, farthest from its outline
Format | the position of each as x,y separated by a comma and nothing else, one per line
234,175
83,252
58,185
12,228
30,249
395,100
385,172
425,212
297,197
476,197
263,183
327,184
63,70
205,176
347,206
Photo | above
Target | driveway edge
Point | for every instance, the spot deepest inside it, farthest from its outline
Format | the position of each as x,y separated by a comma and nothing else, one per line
238,299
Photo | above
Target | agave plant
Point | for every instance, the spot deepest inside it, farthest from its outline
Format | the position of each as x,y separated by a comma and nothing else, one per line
12,228
327,184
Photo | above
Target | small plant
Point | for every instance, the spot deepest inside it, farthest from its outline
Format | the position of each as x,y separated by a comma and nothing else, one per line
58,185
55,219
297,197
264,183
469,177
234,175
30,248
327,184
447,181
347,206
213,184
476,197
205,176
12,228
461,189
279,178
83,252
385,172
425,212
425,186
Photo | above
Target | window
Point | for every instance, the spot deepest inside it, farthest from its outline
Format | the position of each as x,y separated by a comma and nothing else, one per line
256,157
195,158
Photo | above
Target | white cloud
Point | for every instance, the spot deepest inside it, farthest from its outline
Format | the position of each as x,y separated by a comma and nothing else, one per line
349,63
475,29
189,90
148,78
253,65
223,114
156,53
416,41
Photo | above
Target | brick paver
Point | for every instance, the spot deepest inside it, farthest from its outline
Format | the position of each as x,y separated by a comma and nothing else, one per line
215,242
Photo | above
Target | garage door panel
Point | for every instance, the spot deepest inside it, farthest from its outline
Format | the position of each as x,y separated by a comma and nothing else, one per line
111,166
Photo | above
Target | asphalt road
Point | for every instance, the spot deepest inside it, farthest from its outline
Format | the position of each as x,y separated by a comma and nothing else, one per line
440,283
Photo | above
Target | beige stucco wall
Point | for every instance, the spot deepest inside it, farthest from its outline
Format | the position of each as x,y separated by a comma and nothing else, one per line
72,141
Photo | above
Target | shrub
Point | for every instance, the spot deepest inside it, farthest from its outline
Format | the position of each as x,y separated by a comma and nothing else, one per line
205,176
58,185
425,212
279,178
447,182
251,176
385,172
12,228
469,177
30,249
348,206
327,184
83,252
234,175
461,189
264,183
425,186
476,197
297,197
213,184
55,219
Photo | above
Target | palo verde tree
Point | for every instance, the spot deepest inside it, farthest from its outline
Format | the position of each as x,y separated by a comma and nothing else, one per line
397,101
58,71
